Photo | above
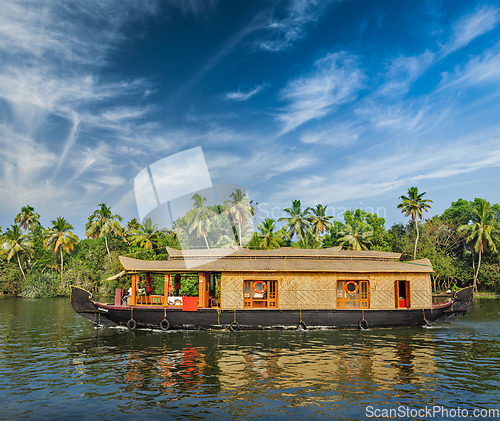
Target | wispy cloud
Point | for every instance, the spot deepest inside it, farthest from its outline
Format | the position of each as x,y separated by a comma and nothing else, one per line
371,176
336,135
272,30
336,80
479,70
256,165
243,96
471,26
52,53
403,71
198,8
281,33
69,30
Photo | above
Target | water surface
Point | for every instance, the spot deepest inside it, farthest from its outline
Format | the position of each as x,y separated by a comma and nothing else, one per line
55,365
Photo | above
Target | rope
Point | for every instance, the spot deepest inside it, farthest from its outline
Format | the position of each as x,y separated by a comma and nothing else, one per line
165,313
132,314
300,315
234,316
218,316
363,314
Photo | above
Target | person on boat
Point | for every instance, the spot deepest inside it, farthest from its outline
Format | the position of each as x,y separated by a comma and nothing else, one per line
177,285
149,285
127,296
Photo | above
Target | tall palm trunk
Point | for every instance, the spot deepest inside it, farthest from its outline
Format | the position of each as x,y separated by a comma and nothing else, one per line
106,242
20,267
62,265
476,274
416,241
206,242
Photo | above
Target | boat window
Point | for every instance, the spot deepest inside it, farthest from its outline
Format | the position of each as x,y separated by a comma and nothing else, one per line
353,294
260,294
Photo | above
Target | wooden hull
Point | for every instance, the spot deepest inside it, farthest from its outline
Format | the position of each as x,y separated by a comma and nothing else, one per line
106,315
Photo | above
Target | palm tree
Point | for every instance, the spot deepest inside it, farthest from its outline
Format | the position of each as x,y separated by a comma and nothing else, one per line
240,210
308,242
297,222
269,239
102,222
147,234
14,242
413,205
200,217
355,236
319,221
481,233
60,238
27,219
198,200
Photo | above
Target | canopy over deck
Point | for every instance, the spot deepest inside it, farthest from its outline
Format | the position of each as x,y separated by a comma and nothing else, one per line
286,259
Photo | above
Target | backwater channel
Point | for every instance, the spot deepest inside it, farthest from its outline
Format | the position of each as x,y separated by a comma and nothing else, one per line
55,365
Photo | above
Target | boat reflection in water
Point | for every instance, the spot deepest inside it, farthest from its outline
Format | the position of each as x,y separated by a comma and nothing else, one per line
336,372
301,368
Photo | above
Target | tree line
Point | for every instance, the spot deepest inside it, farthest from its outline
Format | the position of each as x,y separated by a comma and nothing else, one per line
35,261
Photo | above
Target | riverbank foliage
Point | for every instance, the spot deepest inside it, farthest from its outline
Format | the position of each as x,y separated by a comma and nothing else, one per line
462,243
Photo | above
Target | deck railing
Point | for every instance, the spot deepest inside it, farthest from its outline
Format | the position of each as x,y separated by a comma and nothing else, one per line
159,300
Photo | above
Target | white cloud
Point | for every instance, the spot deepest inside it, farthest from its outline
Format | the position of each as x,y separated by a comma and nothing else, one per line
403,71
196,7
399,117
24,160
472,26
255,166
334,135
243,96
479,70
72,31
284,32
371,175
337,80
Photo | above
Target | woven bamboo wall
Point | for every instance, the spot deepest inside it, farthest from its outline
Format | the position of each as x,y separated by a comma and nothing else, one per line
420,290
312,290
382,293
231,287
295,290
307,291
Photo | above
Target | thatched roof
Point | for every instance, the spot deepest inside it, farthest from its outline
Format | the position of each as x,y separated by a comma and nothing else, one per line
280,260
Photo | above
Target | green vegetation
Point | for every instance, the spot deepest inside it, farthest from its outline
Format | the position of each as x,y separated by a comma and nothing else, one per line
462,243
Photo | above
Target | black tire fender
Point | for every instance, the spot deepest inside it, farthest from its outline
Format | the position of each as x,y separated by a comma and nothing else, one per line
131,324
164,324
363,325
427,323
235,326
302,326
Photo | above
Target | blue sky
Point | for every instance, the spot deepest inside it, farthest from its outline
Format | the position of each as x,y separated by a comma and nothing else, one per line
347,104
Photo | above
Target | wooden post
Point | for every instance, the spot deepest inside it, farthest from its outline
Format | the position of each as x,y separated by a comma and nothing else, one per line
133,295
118,296
166,289
202,291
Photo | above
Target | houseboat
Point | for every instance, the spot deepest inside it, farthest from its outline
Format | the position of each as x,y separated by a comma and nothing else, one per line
286,288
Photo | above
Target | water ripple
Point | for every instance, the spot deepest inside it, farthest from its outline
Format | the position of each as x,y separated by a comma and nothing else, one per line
54,365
